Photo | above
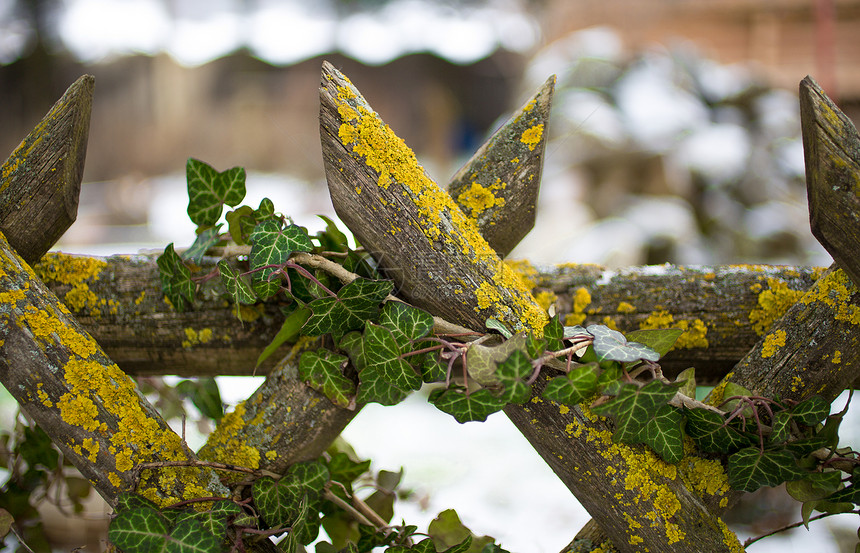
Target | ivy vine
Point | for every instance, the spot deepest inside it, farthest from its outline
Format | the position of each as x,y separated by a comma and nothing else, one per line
379,349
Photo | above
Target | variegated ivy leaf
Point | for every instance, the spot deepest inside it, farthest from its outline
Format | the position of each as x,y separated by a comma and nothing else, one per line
810,411
406,323
209,190
176,280
575,387
355,303
271,246
513,373
612,345
635,408
711,433
384,361
279,501
323,371
237,285
207,238
553,333
660,340
466,407
482,359
664,434
750,468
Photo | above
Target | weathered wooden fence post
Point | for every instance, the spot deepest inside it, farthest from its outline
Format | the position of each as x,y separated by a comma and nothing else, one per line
54,369
781,330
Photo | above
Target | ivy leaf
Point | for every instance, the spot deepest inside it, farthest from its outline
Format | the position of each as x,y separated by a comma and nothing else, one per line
176,280
289,330
687,379
237,285
266,209
344,470
749,469
498,326
406,323
189,536
353,344
214,520
433,369
240,223
383,360
811,411
634,407
323,371
574,331
205,240
780,428
824,507
513,373
609,375
659,340
815,486
850,494
482,360
553,333
279,501
204,394
612,345
272,245
209,190
711,433
139,530
129,500
663,434
374,388
476,406
355,303
332,239
575,387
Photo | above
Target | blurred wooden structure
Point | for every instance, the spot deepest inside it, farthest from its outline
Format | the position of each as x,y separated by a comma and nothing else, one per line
787,39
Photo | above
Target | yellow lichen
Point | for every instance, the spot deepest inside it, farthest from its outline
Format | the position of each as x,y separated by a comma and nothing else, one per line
225,444
75,271
772,304
837,357
695,331
532,136
624,307
581,300
478,199
729,538
525,271
380,149
835,290
796,383
772,343
194,337
545,299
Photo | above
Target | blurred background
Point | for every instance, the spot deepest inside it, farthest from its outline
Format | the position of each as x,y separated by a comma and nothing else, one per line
674,137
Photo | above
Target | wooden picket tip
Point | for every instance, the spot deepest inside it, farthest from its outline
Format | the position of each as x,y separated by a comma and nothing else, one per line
831,148
498,187
40,182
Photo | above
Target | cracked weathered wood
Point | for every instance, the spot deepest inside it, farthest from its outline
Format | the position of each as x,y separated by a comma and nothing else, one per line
119,301
90,409
498,187
421,239
283,422
40,182
405,220
831,148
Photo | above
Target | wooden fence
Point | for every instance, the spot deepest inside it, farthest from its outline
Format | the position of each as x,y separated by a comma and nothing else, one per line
74,330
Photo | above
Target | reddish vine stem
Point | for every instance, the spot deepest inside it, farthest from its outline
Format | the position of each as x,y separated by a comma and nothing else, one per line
750,541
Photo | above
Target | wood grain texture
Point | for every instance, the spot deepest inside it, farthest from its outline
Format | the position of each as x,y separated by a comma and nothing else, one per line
831,148
40,183
91,410
119,301
498,187
421,239
407,222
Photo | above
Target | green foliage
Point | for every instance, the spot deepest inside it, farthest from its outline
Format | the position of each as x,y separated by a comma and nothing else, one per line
209,190
175,277
376,349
